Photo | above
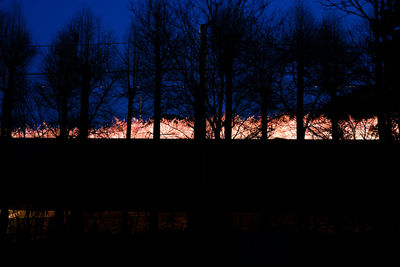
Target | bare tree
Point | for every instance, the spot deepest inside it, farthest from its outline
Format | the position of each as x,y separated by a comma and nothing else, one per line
59,91
200,126
337,61
301,41
61,66
130,59
157,41
16,53
380,16
231,24
96,65
265,65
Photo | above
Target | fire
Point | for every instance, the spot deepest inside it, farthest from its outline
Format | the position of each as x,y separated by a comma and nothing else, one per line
283,127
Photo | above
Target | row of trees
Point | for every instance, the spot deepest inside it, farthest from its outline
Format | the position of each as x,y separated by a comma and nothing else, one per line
248,61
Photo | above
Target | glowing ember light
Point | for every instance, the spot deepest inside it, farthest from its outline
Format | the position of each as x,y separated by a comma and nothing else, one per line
15,214
282,127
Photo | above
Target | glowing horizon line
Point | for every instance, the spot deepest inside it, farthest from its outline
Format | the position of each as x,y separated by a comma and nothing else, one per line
282,127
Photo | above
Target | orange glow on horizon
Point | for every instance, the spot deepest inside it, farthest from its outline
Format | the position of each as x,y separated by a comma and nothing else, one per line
282,127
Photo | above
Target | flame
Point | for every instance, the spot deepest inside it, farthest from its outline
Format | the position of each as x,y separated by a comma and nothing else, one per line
283,127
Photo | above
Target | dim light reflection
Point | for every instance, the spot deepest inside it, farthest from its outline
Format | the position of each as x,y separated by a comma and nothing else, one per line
282,127
14,214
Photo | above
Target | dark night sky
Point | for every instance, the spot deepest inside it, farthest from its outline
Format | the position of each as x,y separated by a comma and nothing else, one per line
46,17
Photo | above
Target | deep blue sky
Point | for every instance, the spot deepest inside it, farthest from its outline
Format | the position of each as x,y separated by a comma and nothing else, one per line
46,17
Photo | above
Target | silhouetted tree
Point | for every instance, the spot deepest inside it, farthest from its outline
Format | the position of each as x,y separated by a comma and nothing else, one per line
231,24
337,64
395,56
130,59
59,91
80,74
61,66
200,125
130,76
300,41
195,70
96,67
265,64
230,30
16,53
380,16
227,30
157,43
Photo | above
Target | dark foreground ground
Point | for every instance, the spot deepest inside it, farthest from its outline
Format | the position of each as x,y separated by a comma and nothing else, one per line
244,249
211,180
180,173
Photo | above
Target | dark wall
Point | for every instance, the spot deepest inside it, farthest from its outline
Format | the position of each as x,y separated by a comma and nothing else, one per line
178,173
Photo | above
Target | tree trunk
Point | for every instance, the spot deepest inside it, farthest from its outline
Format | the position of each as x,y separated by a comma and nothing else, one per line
157,90
217,131
6,114
153,216
196,218
131,94
335,129
84,109
264,115
336,136
300,100
130,115
63,118
201,92
383,130
380,89
228,102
